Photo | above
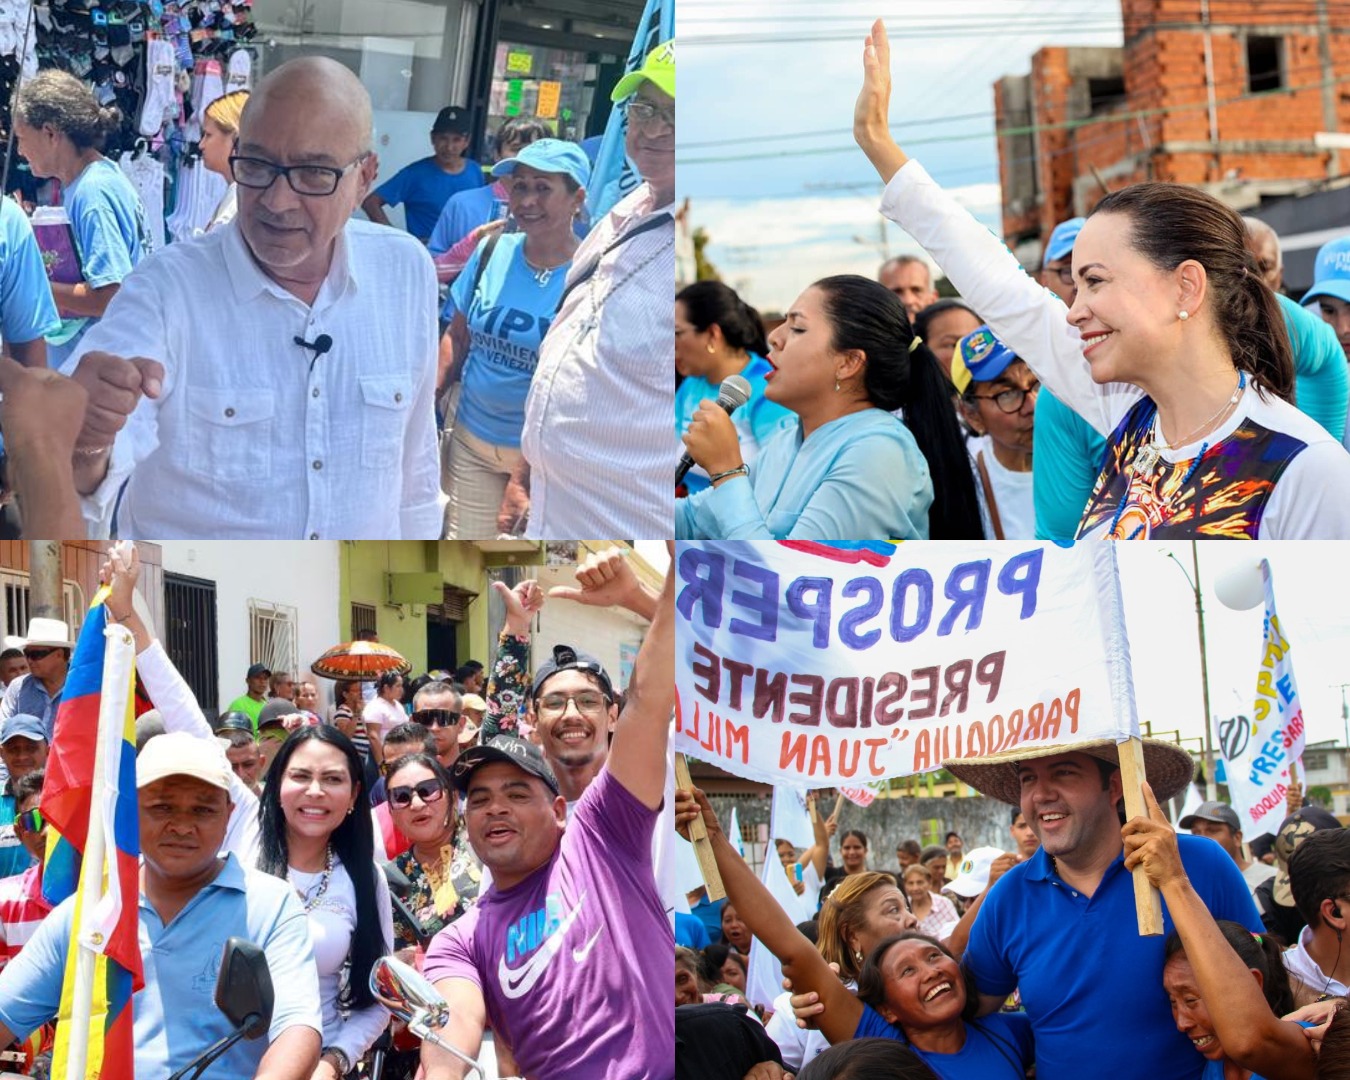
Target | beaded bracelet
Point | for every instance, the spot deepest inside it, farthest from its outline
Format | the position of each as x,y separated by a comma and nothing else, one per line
739,470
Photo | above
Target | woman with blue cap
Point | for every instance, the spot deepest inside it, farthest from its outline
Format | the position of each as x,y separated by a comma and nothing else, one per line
498,311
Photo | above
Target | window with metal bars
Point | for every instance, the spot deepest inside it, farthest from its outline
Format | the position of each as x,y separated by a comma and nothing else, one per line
191,637
14,599
363,620
272,636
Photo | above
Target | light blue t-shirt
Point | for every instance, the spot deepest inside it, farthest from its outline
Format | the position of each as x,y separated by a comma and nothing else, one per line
508,317
1067,453
423,188
175,1016
27,310
466,211
756,421
997,1045
862,475
109,225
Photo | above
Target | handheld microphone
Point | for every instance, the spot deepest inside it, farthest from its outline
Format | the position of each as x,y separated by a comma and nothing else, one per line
733,393
318,346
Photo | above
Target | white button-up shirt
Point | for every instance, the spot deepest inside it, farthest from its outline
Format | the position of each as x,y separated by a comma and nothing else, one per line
598,417
253,436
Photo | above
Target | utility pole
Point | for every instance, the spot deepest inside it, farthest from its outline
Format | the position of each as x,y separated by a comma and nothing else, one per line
44,580
1328,84
1211,787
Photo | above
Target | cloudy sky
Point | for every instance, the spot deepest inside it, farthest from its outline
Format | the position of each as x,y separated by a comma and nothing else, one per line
766,93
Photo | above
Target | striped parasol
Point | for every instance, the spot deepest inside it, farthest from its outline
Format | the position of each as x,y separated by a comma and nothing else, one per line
360,660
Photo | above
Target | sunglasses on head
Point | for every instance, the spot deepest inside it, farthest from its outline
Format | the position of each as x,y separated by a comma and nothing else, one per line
37,654
31,820
429,791
436,717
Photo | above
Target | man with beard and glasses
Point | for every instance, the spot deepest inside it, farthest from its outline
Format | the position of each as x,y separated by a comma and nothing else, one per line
308,363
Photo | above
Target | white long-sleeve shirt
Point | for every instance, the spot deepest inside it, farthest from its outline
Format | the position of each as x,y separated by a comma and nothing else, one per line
1310,499
179,710
246,413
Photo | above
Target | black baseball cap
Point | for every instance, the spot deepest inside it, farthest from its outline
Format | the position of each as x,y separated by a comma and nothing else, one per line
451,119
566,658
254,670
235,721
508,749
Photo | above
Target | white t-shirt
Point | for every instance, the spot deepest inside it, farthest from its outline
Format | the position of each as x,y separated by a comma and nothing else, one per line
1310,499
1012,494
1256,873
797,1045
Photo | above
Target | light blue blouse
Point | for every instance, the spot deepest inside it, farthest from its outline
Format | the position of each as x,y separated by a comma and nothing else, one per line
859,477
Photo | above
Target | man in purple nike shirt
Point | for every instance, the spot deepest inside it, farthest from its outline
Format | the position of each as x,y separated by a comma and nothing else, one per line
568,953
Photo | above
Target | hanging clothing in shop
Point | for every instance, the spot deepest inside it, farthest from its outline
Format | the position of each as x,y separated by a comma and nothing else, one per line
147,177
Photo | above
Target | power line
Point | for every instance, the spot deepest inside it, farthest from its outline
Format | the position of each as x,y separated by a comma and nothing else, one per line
1031,129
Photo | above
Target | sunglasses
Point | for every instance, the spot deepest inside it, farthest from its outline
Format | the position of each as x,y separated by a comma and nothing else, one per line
436,717
429,791
31,820
37,654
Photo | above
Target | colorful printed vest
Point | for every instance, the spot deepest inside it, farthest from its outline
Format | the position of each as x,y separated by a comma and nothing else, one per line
1222,495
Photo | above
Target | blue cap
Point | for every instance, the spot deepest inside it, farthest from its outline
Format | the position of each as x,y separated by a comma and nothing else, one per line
552,156
1331,272
979,357
1061,240
23,724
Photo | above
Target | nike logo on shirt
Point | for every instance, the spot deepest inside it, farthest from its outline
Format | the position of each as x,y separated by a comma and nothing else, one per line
515,982
579,954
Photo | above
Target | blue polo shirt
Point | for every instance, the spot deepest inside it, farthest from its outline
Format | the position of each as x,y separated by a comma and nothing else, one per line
1090,984
27,311
175,1015
997,1046
423,188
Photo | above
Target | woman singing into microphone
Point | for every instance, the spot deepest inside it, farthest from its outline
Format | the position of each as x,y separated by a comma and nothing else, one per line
844,363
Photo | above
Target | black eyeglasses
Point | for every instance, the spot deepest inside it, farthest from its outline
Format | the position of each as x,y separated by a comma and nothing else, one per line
1010,400
31,820
429,791
436,717
260,175
37,654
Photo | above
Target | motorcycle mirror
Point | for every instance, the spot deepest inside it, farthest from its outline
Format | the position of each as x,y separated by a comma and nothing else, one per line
244,987
406,992
399,884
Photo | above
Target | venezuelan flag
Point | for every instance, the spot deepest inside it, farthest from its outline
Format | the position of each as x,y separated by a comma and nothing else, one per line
93,850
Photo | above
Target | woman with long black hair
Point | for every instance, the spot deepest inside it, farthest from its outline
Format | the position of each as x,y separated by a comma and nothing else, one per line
844,361
316,832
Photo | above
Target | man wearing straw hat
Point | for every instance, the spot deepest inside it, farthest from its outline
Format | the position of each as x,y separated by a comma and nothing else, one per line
1061,926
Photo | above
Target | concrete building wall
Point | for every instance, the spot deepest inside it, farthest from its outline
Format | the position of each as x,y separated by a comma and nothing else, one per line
298,574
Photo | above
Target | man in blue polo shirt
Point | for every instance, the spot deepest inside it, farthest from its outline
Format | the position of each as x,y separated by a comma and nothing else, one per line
1061,927
425,186
191,902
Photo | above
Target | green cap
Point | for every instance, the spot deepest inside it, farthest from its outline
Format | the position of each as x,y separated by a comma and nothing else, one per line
658,69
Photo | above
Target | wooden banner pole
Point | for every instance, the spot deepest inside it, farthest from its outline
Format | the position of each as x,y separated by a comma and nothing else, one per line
698,834
1147,899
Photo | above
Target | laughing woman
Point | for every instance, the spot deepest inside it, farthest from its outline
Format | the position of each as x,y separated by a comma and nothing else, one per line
844,467
910,987
316,832
1175,350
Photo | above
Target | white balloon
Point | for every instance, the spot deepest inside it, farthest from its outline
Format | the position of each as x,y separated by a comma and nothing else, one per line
1242,586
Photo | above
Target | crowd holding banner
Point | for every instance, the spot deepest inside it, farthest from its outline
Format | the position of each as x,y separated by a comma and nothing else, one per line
784,651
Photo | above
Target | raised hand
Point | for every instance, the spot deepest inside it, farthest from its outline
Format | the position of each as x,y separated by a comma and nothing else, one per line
604,579
1151,842
121,570
689,805
522,604
871,112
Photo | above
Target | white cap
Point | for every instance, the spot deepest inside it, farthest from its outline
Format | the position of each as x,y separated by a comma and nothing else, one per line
974,872
179,754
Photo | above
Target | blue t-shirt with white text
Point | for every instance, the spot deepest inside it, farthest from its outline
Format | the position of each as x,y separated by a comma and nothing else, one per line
508,316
